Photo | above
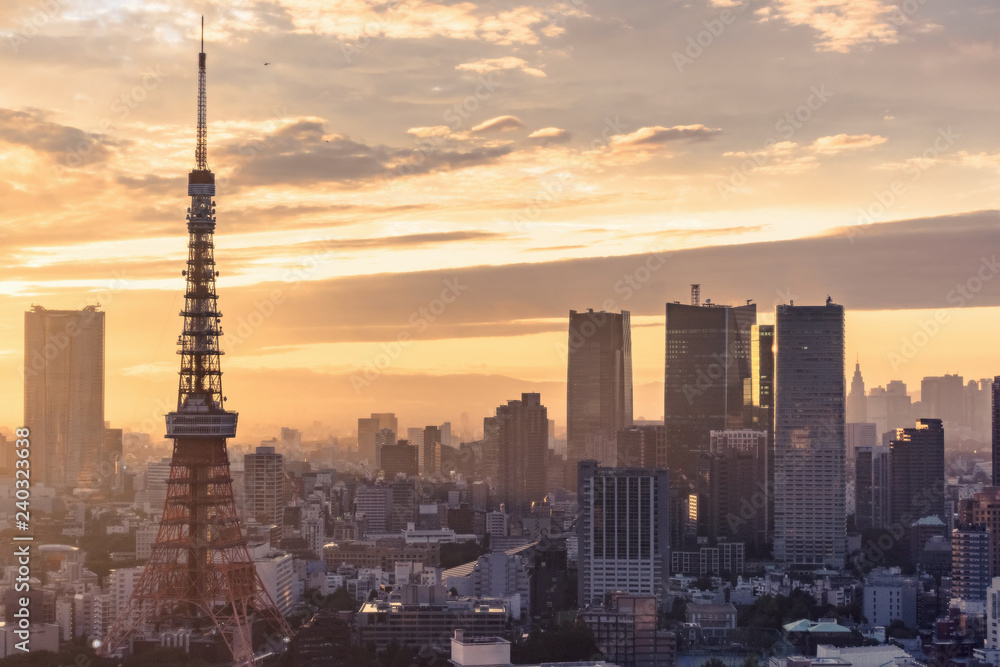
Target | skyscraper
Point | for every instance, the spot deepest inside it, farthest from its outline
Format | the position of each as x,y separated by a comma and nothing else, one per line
738,493
400,458
855,436
264,486
762,400
857,400
706,376
642,446
809,523
367,428
622,531
598,386
871,487
522,452
385,437
430,451
762,380
996,431
64,395
943,398
916,469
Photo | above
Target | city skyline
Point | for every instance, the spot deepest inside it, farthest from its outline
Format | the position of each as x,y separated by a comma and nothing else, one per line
409,206
334,248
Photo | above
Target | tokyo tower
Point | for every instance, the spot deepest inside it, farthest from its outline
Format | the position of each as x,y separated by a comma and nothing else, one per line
200,578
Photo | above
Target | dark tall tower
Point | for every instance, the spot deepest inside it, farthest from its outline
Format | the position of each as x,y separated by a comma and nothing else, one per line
707,370
598,386
916,469
996,431
200,575
430,452
522,452
762,398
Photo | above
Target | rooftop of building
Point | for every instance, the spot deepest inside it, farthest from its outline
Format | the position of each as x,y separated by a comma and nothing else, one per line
929,521
710,608
477,605
824,625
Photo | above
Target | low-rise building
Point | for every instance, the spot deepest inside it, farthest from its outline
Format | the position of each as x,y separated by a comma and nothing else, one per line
625,630
431,624
715,620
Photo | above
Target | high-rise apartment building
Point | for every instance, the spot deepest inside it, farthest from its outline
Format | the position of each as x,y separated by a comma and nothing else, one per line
598,385
264,486
622,531
707,377
64,395
970,565
522,452
738,494
809,514
983,510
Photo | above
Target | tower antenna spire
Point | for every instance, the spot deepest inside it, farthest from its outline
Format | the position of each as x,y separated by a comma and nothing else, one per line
201,149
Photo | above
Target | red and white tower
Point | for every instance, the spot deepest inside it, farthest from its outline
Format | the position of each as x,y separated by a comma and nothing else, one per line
200,577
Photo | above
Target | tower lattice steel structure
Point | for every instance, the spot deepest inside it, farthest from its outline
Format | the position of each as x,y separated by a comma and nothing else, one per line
200,577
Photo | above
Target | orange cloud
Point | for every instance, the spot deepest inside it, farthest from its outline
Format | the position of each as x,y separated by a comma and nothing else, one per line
842,142
487,65
841,24
500,123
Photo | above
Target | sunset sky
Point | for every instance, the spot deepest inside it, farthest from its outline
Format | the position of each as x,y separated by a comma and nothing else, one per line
515,160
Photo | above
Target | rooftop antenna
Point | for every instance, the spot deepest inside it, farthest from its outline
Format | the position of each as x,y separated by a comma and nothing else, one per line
695,294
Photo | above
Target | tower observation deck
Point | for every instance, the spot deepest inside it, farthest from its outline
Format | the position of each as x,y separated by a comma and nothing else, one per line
200,580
